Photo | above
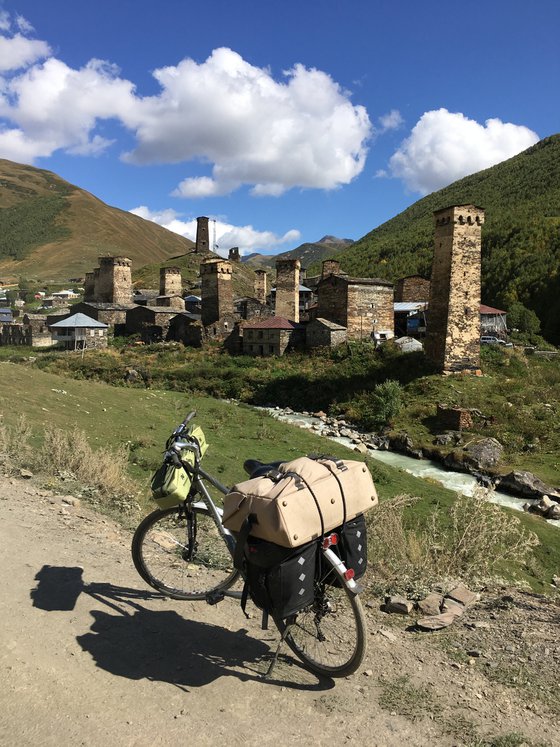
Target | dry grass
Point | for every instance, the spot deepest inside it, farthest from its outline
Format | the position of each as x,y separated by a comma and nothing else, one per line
67,455
471,541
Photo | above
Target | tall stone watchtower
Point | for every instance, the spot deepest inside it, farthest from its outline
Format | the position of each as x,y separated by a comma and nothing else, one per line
330,267
202,240
170,281
216,290
113,283
453,339
287,289
261,290
233,254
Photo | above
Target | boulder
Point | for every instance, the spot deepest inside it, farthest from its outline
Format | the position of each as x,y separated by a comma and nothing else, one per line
483,454
404,444
527,485
431,605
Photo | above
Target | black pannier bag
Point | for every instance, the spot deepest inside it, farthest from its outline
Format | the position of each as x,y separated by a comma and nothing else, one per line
279,580
352,547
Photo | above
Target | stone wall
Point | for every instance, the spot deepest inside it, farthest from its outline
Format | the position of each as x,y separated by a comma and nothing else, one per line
362,305
268,341
287,289
453,337
318,334
454,418
216,290
412,288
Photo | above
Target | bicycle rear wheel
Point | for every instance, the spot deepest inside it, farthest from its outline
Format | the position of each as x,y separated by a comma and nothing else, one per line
178,567
329,636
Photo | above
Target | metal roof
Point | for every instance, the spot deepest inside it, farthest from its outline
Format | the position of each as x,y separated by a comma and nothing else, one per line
410,305
79,320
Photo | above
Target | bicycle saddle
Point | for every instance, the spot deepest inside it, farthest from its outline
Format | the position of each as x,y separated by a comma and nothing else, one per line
256,468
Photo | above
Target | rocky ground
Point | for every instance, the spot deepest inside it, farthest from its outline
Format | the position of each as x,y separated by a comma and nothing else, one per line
90,656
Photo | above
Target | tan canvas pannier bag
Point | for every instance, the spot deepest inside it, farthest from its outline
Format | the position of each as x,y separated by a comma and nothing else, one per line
301,500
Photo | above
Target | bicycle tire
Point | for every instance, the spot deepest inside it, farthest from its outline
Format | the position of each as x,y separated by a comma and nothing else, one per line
158,549
329,636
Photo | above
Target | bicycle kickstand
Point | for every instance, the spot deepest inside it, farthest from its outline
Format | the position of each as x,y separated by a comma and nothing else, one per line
272,664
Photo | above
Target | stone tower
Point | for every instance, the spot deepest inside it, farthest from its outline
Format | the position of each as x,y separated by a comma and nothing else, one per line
453,339
287,289
233,254
113,283
170,281
261,290
216,291
89,286
330,267
202,241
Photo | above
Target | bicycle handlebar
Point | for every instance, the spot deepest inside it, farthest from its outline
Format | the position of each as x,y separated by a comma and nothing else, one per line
188,419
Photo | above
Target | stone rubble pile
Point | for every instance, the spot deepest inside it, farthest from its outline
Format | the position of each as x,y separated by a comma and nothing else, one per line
439,610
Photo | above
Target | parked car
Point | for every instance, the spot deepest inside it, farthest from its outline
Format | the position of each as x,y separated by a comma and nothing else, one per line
491,340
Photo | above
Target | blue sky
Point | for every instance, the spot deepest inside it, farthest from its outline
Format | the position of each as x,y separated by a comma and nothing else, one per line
282,121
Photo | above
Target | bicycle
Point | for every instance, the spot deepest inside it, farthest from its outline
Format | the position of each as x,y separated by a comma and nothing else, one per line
185,553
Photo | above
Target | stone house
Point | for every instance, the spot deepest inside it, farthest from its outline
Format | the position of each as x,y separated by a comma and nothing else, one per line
112,314
412,288
272,336
363,305
323,333
151,322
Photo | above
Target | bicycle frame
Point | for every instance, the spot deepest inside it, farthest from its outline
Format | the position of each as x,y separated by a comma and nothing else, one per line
198,486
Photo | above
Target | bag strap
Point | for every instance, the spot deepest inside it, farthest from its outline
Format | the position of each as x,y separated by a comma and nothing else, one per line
298,478
337,478
241,541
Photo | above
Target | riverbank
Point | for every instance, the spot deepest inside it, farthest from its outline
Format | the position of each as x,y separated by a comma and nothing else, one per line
399,451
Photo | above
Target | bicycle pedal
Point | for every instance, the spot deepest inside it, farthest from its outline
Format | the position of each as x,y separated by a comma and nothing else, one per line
214,597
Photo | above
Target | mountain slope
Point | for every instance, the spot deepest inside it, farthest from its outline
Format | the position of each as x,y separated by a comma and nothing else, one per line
309,253
51,229
520,239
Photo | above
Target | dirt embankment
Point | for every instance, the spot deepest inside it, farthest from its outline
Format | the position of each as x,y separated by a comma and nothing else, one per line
90,657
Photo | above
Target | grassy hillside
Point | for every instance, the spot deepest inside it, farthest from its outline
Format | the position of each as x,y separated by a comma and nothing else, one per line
52,230
189,264
520,239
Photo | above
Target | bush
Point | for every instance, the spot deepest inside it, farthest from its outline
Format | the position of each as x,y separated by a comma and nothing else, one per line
376,409
468,542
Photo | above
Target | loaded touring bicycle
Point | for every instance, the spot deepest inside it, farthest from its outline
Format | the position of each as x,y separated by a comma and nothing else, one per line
292,538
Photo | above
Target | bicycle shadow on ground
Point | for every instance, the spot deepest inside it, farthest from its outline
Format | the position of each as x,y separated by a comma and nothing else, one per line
136,642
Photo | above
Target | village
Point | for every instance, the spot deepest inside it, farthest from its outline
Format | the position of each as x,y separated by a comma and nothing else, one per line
444,315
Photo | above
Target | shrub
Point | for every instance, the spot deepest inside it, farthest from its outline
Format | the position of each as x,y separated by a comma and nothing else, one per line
469,542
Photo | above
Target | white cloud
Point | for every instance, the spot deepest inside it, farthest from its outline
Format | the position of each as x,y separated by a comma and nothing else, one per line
390,121
300,132
23,25
273,135
17,52
445,146
225,235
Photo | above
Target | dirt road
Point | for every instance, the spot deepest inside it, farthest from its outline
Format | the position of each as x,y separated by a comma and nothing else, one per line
90,657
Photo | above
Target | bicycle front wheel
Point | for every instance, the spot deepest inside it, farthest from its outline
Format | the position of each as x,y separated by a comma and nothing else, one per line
329,636
179,563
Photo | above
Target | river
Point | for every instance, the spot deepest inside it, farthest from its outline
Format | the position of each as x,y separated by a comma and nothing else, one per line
459,482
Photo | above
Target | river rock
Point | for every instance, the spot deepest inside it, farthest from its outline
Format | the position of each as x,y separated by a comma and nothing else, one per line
553,512
483,454
360,448
527,485
404,444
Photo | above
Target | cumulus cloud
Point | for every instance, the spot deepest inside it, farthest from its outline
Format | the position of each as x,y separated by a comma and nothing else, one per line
445,146
302,131
226,235
246,126
18,51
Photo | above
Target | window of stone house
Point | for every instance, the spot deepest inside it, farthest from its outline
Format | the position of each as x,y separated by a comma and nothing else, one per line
271,348
260,335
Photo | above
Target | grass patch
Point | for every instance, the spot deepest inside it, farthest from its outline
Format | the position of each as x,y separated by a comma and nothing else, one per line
400,696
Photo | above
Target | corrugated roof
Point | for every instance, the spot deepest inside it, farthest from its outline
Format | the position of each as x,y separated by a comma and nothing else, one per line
272,322
79,320
489,310
410,305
